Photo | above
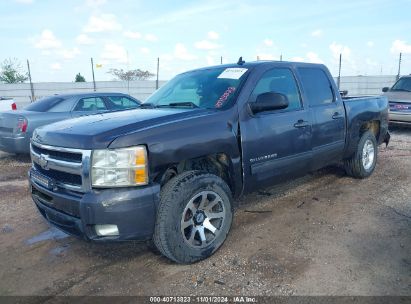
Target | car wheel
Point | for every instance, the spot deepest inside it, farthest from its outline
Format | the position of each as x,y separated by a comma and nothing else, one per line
362,163
194,216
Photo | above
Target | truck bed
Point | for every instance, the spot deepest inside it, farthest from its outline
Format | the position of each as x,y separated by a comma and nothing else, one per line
364,109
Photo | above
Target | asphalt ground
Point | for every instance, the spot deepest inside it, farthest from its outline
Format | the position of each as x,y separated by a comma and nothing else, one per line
323,234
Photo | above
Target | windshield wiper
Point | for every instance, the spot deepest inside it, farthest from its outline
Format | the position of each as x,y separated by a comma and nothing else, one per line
402,90
181,104
147,106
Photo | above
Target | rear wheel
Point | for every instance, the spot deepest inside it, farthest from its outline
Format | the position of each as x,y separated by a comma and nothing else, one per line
362,163
194,216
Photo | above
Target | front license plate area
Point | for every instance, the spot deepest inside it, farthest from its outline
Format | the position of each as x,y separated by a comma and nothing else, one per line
42,180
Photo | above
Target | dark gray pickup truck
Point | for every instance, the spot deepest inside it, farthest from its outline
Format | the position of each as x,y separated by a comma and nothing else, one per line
171,170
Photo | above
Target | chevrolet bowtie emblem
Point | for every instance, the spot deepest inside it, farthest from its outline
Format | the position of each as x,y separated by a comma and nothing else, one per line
44,161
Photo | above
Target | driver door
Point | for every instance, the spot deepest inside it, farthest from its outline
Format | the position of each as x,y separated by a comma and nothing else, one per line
276,145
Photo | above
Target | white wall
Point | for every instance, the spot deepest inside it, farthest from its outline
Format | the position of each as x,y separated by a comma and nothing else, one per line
22,95
365,85
356,85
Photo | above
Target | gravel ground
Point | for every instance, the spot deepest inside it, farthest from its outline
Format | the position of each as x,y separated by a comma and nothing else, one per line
323,234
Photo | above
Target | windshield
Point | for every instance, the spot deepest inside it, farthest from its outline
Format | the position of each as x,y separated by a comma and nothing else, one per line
44,104
214,88
403,84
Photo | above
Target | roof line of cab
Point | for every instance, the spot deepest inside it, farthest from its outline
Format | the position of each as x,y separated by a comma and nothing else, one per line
252,64
90,93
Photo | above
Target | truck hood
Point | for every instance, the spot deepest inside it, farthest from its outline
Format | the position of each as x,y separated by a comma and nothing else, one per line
98,131
398,96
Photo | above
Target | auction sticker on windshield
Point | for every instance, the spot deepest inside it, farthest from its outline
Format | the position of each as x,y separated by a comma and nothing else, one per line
232,73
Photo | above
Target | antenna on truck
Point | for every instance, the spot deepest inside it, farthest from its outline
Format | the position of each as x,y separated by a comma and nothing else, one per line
240,61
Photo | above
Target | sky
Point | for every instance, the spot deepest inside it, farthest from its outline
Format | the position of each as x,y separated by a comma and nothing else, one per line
59,37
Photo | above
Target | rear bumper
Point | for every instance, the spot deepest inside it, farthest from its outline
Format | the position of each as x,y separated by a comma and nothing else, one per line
133,210
19,144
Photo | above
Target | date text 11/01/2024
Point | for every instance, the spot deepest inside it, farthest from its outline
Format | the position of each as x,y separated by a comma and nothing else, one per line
204,299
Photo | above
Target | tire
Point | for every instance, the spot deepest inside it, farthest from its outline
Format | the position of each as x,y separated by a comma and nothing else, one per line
189,203
362,163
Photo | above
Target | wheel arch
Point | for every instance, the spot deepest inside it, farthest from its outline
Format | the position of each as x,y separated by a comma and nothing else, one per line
219,164
373,126
356,132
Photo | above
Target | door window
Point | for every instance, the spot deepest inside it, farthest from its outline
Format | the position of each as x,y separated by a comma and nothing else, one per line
317,86
122,102
279,80
90,104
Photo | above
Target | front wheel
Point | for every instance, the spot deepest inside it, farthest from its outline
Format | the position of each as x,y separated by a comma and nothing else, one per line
364,160
194,216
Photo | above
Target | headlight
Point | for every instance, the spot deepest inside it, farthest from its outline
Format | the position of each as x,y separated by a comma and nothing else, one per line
119,167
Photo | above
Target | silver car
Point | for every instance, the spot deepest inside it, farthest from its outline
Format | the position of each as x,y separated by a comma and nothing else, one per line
399,97
16,127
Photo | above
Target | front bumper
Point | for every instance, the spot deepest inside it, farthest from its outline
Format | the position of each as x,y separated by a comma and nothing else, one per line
11,144
399,117
133,210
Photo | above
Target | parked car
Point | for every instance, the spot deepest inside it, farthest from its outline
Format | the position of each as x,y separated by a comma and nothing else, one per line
399,98
7,104
169,171
16,128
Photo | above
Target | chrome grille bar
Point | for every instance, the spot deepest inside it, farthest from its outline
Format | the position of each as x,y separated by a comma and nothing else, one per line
59,165
48,162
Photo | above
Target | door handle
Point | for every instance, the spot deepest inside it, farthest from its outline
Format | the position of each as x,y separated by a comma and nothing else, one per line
337,115
301,124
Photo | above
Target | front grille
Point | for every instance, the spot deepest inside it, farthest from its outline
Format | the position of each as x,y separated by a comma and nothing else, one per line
68,168
400,107
60,177
66,156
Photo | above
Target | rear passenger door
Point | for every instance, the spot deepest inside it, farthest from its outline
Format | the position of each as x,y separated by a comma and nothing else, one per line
328,116
276,144
88,106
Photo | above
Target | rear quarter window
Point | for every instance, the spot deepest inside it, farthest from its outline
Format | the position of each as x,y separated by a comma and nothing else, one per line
316,85
44,104
65,105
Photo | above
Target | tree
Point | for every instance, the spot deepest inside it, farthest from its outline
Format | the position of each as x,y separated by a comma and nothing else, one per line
11,71
80,78
131,74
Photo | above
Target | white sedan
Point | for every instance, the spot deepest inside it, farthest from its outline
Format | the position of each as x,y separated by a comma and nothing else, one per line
7,104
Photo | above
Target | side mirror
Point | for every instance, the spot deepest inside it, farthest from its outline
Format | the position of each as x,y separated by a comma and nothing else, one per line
269,101
385,89
343,93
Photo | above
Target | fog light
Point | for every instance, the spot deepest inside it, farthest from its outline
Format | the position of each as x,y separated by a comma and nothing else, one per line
106,230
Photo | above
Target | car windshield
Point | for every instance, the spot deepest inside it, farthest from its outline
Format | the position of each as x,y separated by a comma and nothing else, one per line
213,88
403,84
44,104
